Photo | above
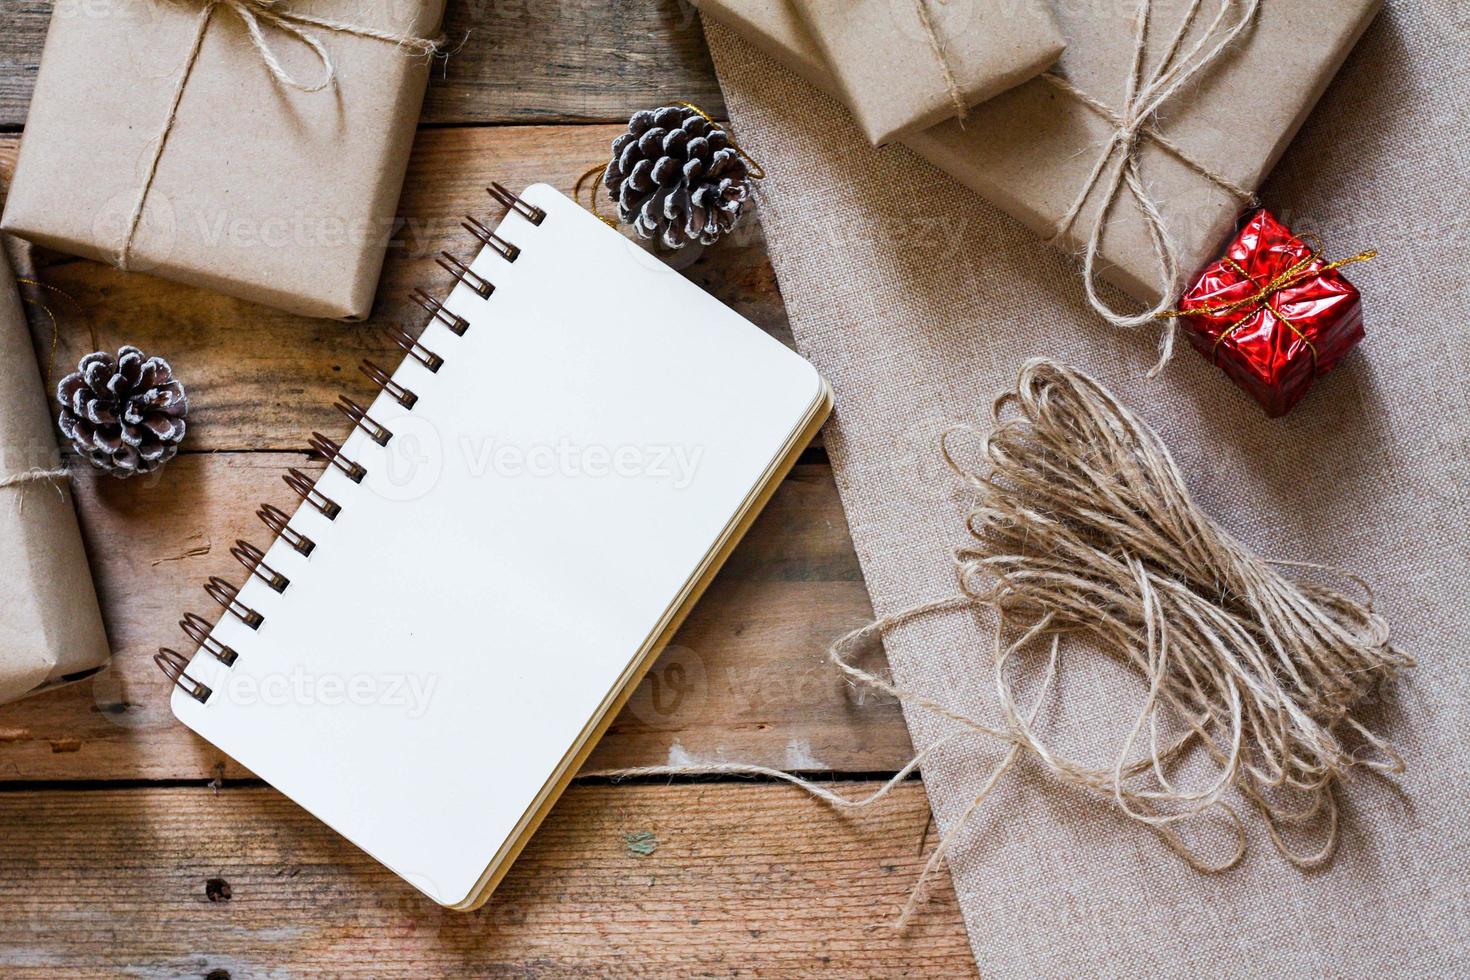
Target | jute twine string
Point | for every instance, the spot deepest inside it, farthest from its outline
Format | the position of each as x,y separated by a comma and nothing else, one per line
34,475
1146,93
25,478
1082,528
39,474
941,55
257,15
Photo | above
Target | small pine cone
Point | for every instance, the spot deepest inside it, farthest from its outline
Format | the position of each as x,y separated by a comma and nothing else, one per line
676,177
125,414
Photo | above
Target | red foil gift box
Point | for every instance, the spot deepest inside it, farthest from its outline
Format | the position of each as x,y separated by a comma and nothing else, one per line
1273,313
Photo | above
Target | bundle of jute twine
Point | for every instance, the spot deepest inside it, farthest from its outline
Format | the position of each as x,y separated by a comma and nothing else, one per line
1083,537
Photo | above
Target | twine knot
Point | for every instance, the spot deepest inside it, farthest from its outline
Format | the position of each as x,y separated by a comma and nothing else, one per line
256,15
1146,92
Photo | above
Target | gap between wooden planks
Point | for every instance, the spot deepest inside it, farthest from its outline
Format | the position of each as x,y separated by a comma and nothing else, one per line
681,880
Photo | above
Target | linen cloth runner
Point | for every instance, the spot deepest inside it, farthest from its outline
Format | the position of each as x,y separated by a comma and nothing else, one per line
920,302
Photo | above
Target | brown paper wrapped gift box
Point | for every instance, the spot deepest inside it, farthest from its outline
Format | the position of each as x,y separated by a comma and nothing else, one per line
1029,150
897,76
50,626
265,192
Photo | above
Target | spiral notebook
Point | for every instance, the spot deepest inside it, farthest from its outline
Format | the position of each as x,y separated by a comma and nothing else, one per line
496,553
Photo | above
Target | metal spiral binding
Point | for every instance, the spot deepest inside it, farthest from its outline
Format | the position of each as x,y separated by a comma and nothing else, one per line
441,312
278,521
174,664
358,416
253,559
530,212
506,250
385,381
197,629
228,596
416,350
307,491
332,451
482,286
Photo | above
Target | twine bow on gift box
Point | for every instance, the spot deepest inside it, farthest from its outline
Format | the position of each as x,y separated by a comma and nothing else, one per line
257,16
1146,93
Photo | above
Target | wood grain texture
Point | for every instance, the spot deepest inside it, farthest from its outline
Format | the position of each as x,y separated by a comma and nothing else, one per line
511,60
745,679
261,379
725,878
742,880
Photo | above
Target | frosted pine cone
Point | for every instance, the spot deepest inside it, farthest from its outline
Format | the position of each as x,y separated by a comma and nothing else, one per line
125,414
676,177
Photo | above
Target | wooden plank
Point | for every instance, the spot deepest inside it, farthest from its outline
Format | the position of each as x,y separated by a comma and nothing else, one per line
740,879
511,61
745,679
260,379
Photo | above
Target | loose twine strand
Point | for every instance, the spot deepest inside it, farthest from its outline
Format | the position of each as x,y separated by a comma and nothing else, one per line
53,319
1145,94
941,55
1082,528
255,15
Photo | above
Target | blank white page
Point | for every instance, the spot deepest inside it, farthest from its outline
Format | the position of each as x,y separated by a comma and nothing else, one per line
533,522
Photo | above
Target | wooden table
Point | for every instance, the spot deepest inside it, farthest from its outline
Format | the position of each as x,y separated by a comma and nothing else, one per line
127,844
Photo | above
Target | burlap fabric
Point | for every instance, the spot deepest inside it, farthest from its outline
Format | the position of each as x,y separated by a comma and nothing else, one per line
919,302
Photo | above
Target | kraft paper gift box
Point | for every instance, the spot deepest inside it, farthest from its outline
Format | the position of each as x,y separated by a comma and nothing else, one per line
262,190
1031,150
50,627
904,65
